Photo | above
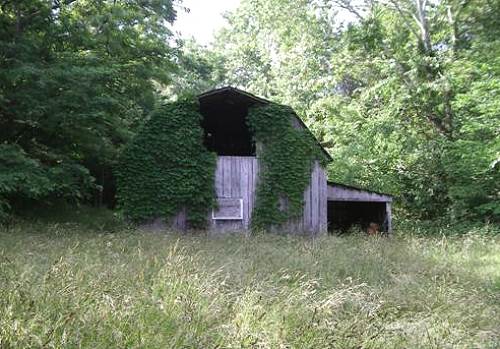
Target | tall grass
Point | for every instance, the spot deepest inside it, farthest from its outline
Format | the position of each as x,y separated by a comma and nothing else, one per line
63,286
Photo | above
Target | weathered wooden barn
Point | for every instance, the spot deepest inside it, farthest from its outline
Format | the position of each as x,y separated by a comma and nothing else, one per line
326,205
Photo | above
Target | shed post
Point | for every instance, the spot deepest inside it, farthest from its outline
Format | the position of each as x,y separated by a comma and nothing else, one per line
389,216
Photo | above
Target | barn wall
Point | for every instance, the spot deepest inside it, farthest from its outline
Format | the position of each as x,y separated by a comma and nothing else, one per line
236,178
314,219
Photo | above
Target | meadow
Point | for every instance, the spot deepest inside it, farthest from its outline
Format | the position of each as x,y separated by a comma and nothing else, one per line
70,286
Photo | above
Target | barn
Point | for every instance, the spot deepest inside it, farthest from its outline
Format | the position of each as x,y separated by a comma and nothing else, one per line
238,172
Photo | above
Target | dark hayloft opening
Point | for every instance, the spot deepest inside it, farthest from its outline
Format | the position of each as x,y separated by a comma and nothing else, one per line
225,125
343,215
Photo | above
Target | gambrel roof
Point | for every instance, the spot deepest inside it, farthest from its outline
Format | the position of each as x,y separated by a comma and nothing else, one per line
248,99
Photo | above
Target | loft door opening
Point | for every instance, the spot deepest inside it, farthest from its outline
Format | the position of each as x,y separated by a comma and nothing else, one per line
225,124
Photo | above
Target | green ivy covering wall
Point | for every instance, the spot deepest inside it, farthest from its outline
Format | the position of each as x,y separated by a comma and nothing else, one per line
166,167
287,156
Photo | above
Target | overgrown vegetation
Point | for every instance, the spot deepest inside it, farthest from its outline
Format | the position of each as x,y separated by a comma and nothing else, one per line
65,286
403,94
76,78
166,168
405,97
287,155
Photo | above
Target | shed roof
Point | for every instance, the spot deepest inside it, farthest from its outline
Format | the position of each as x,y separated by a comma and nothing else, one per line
249,99
343,192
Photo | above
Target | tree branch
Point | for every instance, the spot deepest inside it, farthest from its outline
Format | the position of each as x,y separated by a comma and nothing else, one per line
405,18
346,5
58,3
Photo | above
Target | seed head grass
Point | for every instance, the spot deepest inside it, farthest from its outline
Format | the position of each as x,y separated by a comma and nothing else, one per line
67,286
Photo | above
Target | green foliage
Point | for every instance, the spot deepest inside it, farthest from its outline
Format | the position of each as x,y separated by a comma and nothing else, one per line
405,102
167,168
67,214
198,70
287,155
473,159
279,49
24,178
76,77
67,286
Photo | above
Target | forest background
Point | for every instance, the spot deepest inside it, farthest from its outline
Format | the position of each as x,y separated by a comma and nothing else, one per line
405,95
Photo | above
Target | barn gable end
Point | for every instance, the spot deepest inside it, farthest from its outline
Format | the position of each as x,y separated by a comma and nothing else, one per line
237,172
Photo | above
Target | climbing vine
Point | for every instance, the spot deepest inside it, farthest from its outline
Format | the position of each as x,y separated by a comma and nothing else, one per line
167,168
287,155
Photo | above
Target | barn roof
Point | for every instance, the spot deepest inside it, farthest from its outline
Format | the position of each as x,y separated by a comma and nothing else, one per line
234,92
249,99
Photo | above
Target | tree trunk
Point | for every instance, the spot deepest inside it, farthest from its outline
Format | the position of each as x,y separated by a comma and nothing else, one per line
424,25
453,27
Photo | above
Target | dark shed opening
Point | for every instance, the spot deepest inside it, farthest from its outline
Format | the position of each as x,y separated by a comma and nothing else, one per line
354,207
225,122
343,215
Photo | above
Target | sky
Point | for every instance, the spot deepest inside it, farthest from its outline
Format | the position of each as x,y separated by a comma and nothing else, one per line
205,17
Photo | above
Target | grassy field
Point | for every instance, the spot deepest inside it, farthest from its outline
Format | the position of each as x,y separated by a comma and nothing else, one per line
64,286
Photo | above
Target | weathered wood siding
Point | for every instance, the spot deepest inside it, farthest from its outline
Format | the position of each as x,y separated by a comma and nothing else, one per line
388,213
314,219
236,177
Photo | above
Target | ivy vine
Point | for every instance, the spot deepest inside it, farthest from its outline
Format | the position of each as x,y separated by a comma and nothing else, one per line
167,168
287,155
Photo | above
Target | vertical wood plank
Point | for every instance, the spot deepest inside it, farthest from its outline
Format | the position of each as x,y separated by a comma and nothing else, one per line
244,164
219,178
254,183
238,191
235,177
250,191
182,219
300,223
179,220
226,181
324,202
314,200
307,209
218,190
388,212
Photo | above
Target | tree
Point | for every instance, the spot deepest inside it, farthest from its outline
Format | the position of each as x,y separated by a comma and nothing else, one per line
198,70
76,77
386,93
279,49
